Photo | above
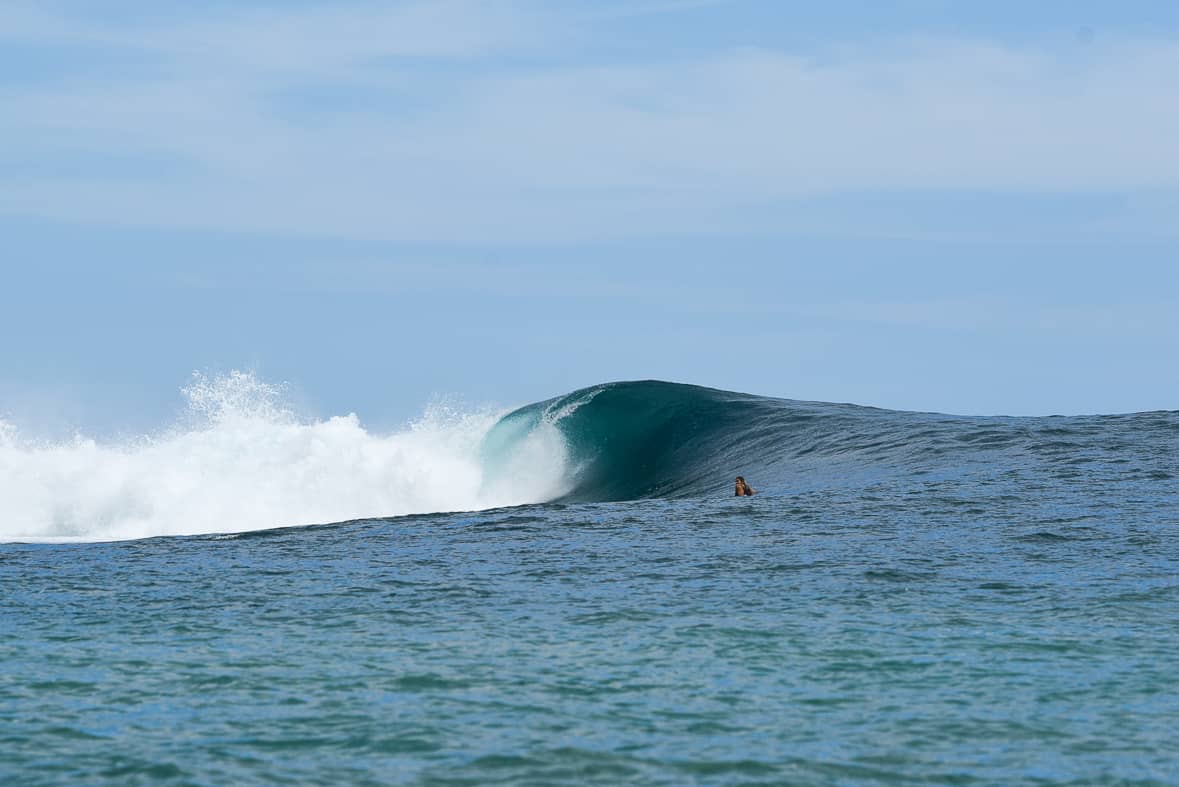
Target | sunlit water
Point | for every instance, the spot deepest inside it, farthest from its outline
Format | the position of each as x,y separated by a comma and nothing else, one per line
993,627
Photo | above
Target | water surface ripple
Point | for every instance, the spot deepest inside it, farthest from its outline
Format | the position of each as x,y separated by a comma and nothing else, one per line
999,626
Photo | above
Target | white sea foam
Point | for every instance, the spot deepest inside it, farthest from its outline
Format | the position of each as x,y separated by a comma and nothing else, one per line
243,461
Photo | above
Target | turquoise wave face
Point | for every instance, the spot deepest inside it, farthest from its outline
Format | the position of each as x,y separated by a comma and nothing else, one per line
635,440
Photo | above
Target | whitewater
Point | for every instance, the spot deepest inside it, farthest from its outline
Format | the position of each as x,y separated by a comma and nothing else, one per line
240,459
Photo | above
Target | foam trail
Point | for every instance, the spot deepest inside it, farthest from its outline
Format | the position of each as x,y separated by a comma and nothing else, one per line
242,461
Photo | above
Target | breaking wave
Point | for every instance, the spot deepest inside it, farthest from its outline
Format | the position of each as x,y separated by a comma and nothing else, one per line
633,440
241,460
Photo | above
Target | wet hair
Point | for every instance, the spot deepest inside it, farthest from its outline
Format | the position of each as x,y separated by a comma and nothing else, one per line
741,478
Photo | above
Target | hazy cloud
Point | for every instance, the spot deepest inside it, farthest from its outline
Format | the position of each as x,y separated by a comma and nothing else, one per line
363,120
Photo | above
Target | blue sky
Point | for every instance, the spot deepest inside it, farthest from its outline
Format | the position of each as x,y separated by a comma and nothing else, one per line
963,207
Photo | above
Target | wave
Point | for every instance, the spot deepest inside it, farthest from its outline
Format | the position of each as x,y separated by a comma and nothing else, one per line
634,440
242,461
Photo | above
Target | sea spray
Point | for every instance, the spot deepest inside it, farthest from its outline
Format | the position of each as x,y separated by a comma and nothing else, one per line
241,459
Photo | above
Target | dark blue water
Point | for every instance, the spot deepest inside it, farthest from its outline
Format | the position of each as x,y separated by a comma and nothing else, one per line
909,599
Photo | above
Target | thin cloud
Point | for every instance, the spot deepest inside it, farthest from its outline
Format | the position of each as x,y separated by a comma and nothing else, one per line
293,38
341,121
653,9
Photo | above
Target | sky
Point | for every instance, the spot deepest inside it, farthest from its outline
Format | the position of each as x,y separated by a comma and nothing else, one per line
957,207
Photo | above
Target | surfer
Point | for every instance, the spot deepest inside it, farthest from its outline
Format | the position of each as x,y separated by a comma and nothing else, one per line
743,489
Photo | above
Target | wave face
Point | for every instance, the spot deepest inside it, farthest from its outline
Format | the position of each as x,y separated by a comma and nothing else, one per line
241,460
635,440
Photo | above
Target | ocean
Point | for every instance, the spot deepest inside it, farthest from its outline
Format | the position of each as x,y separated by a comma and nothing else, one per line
569,593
